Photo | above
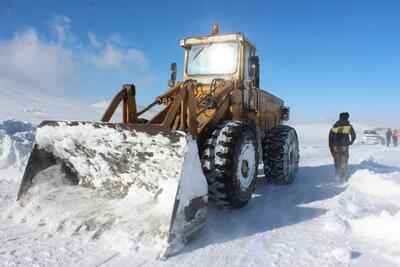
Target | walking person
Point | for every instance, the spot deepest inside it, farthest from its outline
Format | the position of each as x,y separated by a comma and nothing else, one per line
388,136
395,135
339,142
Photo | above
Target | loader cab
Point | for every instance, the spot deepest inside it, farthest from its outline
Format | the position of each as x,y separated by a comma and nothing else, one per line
214,56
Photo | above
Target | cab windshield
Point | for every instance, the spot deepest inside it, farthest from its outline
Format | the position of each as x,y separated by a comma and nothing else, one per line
212,58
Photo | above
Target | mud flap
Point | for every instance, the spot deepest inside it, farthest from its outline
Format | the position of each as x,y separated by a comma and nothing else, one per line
120,160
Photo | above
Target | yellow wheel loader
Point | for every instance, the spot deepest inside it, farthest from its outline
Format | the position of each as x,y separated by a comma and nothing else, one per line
206,141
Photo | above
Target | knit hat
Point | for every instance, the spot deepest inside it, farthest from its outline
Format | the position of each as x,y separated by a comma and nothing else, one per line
344,116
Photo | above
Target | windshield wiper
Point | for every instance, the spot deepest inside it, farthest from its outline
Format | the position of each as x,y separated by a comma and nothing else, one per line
201,50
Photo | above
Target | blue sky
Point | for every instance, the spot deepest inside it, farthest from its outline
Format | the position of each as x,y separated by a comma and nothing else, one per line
321,57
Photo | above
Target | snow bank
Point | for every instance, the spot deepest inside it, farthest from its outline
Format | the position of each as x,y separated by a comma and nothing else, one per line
383,227
382,186
368,210
16,140
375,209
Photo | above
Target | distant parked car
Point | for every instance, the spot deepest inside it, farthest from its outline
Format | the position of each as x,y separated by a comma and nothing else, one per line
371,137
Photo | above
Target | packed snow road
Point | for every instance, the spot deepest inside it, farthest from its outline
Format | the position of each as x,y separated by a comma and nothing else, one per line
313,222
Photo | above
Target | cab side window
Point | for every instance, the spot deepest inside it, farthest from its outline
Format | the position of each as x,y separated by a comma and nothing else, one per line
249,96
247,53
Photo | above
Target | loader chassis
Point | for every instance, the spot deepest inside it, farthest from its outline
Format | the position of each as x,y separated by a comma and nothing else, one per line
221,108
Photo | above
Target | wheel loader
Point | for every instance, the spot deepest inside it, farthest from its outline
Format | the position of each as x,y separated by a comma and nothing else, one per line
205,142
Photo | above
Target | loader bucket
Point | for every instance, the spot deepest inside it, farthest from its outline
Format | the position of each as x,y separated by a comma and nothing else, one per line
156,167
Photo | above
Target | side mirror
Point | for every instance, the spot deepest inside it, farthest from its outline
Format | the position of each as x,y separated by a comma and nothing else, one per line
254,70
172,79
285,113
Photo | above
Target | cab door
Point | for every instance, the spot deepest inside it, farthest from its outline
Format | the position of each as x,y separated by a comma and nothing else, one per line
250,93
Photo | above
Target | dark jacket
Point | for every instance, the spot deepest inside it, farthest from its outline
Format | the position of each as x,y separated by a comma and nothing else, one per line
340,133
388,134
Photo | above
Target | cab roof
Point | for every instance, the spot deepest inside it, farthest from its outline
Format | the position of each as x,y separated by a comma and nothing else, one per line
237,36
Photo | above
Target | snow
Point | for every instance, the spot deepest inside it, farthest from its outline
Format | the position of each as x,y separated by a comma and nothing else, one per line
314,222
16,139
78,212
380,186
196,185
105,155
383,227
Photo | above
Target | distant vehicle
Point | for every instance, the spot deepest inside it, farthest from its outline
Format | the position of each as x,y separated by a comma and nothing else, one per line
371,137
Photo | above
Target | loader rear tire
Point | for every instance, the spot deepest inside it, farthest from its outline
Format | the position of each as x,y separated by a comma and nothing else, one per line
230,162
281,154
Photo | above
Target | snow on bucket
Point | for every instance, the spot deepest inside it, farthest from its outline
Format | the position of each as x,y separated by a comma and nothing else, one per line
92,178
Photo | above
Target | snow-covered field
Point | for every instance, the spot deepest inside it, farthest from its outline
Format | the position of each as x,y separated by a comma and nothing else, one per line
313,222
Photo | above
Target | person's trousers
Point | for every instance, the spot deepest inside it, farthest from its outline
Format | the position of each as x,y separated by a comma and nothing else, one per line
340,157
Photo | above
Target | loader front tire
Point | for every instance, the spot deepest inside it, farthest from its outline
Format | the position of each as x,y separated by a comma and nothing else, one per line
281,154
229,162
